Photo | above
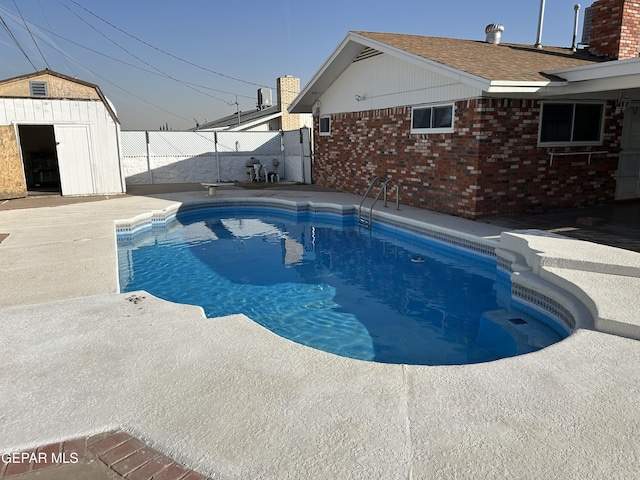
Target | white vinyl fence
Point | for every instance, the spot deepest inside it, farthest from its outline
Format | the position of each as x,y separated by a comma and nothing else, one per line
194,157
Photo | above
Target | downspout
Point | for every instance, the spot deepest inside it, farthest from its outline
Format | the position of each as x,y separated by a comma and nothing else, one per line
284,177
215,142
310,130
123,183
301,154
146,133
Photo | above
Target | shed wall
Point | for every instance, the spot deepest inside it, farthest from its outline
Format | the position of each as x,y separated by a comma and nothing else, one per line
103,136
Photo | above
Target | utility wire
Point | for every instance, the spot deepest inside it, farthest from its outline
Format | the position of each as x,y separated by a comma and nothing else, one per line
51,28
138,67
15,40
85,68
163,51
31,34
128,92
68,57
139,59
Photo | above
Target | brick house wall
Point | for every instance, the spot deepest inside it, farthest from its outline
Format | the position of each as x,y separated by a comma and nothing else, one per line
490,164
615,29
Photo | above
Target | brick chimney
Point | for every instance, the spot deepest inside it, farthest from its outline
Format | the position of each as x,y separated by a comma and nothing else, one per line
615,29
288,90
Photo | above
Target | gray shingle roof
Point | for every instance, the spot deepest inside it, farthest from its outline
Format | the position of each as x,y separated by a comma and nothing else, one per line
245,117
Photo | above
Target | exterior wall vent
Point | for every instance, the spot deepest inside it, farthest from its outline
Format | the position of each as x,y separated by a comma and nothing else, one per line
367,52
494,33
38,89
586,27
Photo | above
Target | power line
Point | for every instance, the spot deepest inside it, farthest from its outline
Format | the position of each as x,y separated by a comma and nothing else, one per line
141,60
66,57
44,14
15,40
163,51
2,21
31,34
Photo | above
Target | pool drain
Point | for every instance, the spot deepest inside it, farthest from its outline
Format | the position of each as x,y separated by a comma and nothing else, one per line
417,259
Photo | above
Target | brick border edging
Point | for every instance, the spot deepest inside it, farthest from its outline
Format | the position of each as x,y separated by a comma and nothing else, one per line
124,454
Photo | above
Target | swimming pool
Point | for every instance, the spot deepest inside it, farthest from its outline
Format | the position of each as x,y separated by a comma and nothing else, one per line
384,295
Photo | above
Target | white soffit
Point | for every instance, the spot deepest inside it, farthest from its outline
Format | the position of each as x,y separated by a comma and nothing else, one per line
331,69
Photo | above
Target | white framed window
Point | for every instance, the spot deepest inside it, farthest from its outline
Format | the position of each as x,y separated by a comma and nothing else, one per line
38,89
324,125
571,123
432,119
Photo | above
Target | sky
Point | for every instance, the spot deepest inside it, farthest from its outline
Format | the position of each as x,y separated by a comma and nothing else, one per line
178,63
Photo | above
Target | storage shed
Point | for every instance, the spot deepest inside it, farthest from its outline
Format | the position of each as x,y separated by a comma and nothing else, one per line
57,134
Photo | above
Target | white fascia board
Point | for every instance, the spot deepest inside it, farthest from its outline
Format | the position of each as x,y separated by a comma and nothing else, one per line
597,71
601,85
458,75
500,86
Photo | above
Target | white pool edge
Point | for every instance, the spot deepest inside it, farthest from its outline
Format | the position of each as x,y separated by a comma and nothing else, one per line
527,288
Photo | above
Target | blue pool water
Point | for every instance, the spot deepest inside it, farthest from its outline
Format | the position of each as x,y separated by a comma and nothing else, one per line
382,295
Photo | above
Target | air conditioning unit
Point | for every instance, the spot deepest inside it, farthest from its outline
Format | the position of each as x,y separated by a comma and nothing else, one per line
264,98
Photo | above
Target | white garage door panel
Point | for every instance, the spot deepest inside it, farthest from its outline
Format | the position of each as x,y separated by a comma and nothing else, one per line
74,159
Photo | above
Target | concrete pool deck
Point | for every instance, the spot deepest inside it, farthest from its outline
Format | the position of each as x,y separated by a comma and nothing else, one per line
232,400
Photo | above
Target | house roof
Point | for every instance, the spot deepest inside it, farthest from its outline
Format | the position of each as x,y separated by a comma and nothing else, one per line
247,119
105,100
489,67
502,62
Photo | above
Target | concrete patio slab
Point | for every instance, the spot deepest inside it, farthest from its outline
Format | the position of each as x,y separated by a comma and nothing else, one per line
233,400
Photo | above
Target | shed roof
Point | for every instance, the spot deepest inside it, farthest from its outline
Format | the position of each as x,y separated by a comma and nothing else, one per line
62,76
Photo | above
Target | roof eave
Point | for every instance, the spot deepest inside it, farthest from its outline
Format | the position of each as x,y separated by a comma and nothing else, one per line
253,123
461,76
510,87
334,65
354,43
602,70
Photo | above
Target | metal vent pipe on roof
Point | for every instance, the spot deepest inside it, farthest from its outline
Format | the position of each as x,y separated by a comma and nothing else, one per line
540,22
574,42
494,33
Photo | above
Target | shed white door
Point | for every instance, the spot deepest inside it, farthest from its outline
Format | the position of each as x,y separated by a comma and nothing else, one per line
628,182
74,159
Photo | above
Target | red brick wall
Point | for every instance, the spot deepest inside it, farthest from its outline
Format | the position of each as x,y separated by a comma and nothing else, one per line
615,29
490,165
